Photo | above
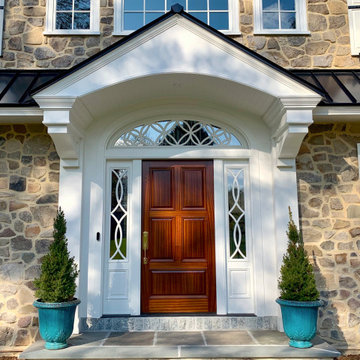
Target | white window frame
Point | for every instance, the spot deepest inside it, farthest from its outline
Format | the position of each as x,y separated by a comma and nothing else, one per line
354,26
301,20
50,26
234,10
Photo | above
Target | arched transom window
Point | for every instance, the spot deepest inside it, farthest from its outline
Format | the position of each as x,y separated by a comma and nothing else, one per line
178,133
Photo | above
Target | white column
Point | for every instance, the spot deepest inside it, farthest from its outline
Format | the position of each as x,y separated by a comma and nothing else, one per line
69,146
70,200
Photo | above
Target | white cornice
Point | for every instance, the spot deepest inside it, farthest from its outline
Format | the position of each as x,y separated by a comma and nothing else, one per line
54,102
300,102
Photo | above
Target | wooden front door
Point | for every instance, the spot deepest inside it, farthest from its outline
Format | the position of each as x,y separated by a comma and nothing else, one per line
178,272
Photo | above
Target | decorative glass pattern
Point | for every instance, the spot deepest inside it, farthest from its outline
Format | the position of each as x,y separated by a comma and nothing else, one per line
236,213
72,14
177,132
137,13
119,214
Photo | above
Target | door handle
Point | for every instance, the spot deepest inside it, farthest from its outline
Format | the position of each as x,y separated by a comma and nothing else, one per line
145,245
145,241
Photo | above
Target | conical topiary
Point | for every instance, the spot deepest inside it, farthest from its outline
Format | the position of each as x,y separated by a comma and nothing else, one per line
297,280
58,270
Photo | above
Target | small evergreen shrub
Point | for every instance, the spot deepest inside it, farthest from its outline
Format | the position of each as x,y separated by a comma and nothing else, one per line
297,280
58,270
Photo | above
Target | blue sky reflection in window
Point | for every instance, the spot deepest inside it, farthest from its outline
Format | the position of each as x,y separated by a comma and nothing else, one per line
137,13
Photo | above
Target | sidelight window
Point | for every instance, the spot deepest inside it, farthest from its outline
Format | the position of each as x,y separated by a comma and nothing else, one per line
235,183
119,214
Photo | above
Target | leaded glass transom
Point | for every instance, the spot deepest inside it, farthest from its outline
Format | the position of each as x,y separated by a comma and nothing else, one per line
236,213
119,214
177,133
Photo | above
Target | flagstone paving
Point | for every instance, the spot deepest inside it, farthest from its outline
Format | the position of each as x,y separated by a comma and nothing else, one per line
242,344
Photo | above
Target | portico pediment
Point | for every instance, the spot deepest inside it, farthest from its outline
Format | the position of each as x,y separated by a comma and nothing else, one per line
177,44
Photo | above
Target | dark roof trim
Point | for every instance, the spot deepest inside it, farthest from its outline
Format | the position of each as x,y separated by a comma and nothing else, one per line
178,9
340,87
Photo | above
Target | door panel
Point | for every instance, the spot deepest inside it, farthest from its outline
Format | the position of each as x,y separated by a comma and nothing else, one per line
194,238
162,231
178,213
162,179
192,188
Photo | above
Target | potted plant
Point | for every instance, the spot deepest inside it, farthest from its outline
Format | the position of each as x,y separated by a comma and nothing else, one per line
299,297
56,288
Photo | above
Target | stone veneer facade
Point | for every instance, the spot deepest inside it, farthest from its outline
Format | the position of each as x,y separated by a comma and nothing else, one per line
329,198
328,46
29,183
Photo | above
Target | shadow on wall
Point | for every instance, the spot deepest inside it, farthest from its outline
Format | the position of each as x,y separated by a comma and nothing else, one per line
329,321
329,198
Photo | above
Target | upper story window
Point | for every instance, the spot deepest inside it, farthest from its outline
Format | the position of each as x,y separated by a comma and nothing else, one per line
72,17
131,15
280,16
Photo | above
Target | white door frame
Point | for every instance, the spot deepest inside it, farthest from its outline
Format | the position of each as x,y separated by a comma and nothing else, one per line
119,157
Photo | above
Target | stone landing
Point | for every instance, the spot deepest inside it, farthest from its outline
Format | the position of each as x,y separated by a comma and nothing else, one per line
233,344
178,323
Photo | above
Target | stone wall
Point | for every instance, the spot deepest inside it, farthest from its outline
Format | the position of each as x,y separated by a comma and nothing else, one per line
29,180
26,47
329,195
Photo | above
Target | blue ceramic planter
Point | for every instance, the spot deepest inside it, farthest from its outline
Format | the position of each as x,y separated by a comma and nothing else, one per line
299,321
56,322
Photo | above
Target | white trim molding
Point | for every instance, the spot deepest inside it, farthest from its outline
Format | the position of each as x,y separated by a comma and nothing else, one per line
50,25
354,26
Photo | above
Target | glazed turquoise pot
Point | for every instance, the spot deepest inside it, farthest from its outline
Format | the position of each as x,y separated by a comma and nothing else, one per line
56,322
299,321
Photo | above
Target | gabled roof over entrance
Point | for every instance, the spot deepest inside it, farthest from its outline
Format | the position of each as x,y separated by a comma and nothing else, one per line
178,10
177,57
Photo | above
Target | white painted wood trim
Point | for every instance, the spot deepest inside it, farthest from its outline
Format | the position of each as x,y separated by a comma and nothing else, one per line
70,201
135,236
173,152
116,285
241,269
354,26
220,236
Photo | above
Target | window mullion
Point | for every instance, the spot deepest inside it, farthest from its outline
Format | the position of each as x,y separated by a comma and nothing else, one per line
279,15
73,15
208,12
144,10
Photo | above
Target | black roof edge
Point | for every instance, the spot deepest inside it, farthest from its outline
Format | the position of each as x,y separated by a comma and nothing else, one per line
178,9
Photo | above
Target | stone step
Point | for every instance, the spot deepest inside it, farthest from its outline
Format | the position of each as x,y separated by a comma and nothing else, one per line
178,323
241,344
